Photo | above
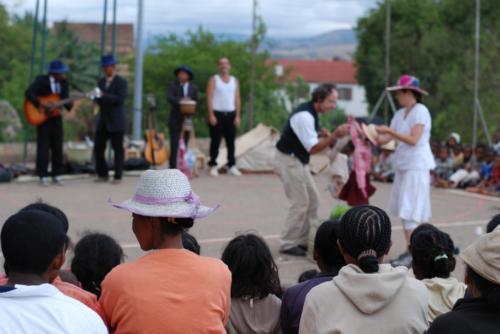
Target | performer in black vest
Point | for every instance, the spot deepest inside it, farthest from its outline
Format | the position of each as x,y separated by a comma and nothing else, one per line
49,135
180,89
302,137
111,124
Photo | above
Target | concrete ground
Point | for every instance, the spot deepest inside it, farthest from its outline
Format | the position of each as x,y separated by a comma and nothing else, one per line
249,203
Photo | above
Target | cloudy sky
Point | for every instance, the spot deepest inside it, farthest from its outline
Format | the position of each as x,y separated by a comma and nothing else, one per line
284,18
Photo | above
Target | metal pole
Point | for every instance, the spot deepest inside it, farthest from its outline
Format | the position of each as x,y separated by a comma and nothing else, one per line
44,36
387,53
103,27
136,130
476,75
113,31
251,93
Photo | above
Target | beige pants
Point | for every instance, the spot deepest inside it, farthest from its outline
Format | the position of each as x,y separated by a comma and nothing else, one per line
303,196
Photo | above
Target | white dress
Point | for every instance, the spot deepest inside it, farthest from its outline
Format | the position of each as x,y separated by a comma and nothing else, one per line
410,196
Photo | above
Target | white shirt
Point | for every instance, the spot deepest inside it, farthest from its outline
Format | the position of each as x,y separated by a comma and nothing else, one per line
55,86
419,156
224,97
185,89
43,309
302,124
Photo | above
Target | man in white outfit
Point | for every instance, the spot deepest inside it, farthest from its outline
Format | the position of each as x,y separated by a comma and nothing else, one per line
224,106
301,138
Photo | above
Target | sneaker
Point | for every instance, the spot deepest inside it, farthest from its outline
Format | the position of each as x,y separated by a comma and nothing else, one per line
44,181
57,180
214,171
234,171
294,251
404,259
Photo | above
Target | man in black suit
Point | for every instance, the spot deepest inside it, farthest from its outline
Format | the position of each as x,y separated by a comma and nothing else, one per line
49,135
180,89
111,124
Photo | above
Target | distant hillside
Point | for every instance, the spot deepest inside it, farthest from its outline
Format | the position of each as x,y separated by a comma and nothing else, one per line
333,44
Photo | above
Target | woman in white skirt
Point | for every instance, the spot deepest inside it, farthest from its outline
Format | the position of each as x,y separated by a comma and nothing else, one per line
413,160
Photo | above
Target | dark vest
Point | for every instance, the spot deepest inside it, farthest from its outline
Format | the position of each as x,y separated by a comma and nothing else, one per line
289,143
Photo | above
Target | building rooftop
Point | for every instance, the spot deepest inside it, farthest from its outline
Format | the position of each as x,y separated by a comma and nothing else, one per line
316,71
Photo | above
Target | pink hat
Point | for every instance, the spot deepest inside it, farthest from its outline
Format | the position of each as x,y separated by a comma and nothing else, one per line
408,82
165,193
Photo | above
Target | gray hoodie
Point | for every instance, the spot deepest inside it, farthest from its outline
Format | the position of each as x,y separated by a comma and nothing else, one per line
388,301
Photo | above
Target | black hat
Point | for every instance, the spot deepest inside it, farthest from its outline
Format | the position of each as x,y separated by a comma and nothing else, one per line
186,69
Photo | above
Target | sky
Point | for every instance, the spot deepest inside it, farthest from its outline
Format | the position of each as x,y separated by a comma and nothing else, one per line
284,18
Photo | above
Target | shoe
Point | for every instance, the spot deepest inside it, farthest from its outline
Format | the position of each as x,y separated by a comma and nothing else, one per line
234,171
214,171
304,247
294,251
101,179
116,181
44,181
57,180
404,259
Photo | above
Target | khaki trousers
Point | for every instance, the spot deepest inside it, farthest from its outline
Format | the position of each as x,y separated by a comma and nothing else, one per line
301,191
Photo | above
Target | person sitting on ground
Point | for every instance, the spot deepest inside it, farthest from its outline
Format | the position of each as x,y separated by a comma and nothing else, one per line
254,304
171,290
329,259
366,296
479,313
443,169
383,168
95,255
496,142
452,141
493,223
458,157
433,261
469,176
34,246
68,288
487,184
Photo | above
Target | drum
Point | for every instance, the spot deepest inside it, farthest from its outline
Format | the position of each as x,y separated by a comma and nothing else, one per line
188,107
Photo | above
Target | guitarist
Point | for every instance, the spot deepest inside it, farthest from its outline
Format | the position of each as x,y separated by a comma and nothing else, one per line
49,137
110,95
180,89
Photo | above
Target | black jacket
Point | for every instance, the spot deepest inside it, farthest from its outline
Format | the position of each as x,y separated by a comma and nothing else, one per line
112,115
469,316
174,95
41,87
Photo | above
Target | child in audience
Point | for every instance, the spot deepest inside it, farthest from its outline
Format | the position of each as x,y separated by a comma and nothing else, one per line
383,169
458,157
433,261
366,296
34,245
479,313
96,254
255,283
443,169
329,260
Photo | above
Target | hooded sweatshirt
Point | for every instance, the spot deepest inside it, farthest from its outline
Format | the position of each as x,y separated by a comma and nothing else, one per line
443,294
387,302
254,316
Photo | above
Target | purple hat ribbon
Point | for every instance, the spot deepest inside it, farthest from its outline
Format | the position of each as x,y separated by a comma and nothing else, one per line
189,198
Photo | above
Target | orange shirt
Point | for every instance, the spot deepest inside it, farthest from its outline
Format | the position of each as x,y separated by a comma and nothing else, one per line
71,290
168,291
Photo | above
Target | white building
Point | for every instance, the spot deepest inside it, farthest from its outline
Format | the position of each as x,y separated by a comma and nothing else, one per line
352,97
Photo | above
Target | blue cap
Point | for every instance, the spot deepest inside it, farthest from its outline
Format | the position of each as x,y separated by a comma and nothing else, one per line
57,66
107,60
186,69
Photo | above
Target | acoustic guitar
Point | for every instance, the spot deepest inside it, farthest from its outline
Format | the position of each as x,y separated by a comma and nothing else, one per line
156,152
37,116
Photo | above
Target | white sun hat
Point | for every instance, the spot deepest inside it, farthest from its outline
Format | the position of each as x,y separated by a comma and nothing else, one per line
165,193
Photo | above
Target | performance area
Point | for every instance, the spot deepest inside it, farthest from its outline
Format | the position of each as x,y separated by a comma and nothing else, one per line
253,202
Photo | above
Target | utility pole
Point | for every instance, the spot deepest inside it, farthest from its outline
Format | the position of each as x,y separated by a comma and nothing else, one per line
103,28
136,131
387,54
251,93
113,31
44,36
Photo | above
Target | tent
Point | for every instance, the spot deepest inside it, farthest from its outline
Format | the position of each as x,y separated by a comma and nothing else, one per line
255,150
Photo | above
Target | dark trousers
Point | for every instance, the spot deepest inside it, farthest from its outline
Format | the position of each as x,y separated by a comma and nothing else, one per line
224,128
49,143
101,165
175,134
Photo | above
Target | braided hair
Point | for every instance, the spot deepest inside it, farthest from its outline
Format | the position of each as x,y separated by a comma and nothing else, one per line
365,234
432,252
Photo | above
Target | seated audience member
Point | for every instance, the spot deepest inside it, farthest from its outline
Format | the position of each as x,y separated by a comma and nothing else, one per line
383,169
490,175
458,157
254,305
366,296
469,175
95,255
329,259
443,169
67,288
171,290
34,245
307,275
452,142
190,243
433,261
435,145
479,312
496,142
493,223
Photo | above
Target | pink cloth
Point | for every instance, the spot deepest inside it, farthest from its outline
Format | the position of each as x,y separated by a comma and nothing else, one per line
362,156
182,163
